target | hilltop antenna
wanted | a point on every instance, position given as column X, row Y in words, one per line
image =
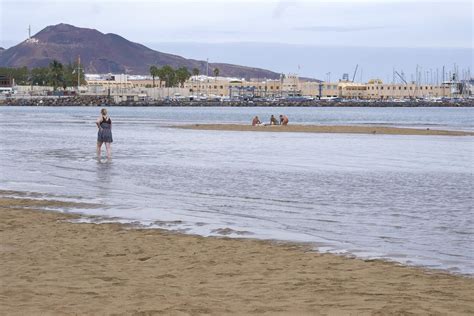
column 29, row 31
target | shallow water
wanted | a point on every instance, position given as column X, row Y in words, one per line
column 402, row 198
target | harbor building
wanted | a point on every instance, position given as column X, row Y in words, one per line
column 376, row 89
column 6, row 84
column 237, row 88
column 232, row 87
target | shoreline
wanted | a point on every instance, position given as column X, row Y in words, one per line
column 104, row 100
column 331, row 129
column 50, row 265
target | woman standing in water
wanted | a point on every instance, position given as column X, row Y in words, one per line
column 104, row 123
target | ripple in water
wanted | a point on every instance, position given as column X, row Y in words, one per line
column 402, row 198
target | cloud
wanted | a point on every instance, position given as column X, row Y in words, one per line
column 281, row 7
column 338, row 29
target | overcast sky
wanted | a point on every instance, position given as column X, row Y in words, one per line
column 403, row 23
column 370, row 23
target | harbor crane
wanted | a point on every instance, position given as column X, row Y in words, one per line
column 401, row 77
column 355, row 72
column 406, row 83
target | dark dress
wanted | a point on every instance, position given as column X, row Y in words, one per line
column 105, row 131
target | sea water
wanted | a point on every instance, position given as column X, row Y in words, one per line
column 398, row 197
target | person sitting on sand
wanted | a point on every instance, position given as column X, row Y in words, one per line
column 283, row 120
column 256, row 121
column 273, row 120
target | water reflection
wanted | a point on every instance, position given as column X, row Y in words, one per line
column 104, row 169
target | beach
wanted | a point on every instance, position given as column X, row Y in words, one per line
column 51, row 266
column 326, row 129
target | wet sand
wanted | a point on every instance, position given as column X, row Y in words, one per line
column 326, row 129
column 50, row 266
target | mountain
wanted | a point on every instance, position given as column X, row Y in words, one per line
column 107, row 53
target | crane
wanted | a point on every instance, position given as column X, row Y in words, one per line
column 401, row 77
column 355, row 71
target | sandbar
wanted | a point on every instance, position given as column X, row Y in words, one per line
column 50, row 266
column 346, row 129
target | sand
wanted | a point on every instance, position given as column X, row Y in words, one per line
column 50, row 266
column 326, row 129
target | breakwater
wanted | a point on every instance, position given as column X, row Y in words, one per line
column 59, row 101
column 106, row 101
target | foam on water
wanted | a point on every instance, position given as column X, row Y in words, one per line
column 403, row 198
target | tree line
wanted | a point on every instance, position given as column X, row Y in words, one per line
column 170, row 76
column 56, row 75
column 174, row 77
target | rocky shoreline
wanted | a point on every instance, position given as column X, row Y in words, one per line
column 59, row 101
column 106, row 101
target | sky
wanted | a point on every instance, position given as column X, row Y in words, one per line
column 254, row 32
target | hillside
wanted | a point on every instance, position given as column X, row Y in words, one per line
column 107, row 53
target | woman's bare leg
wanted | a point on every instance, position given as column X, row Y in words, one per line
column 99, row 148
column 108, row 147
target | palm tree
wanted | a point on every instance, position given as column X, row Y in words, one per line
column 160, row 75
column 216, row 72
column 168, row 74
column 195, row 74
column 153, row 73
column 182, row 74
column 56, row 71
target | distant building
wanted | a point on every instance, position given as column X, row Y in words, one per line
column 386, row 91
column 288, row 86
column 6, row 84
column 6, row 81
column 232, row 87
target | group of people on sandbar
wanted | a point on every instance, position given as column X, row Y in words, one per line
column 273, row 121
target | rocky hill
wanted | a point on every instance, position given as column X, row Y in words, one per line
column 107, row 53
